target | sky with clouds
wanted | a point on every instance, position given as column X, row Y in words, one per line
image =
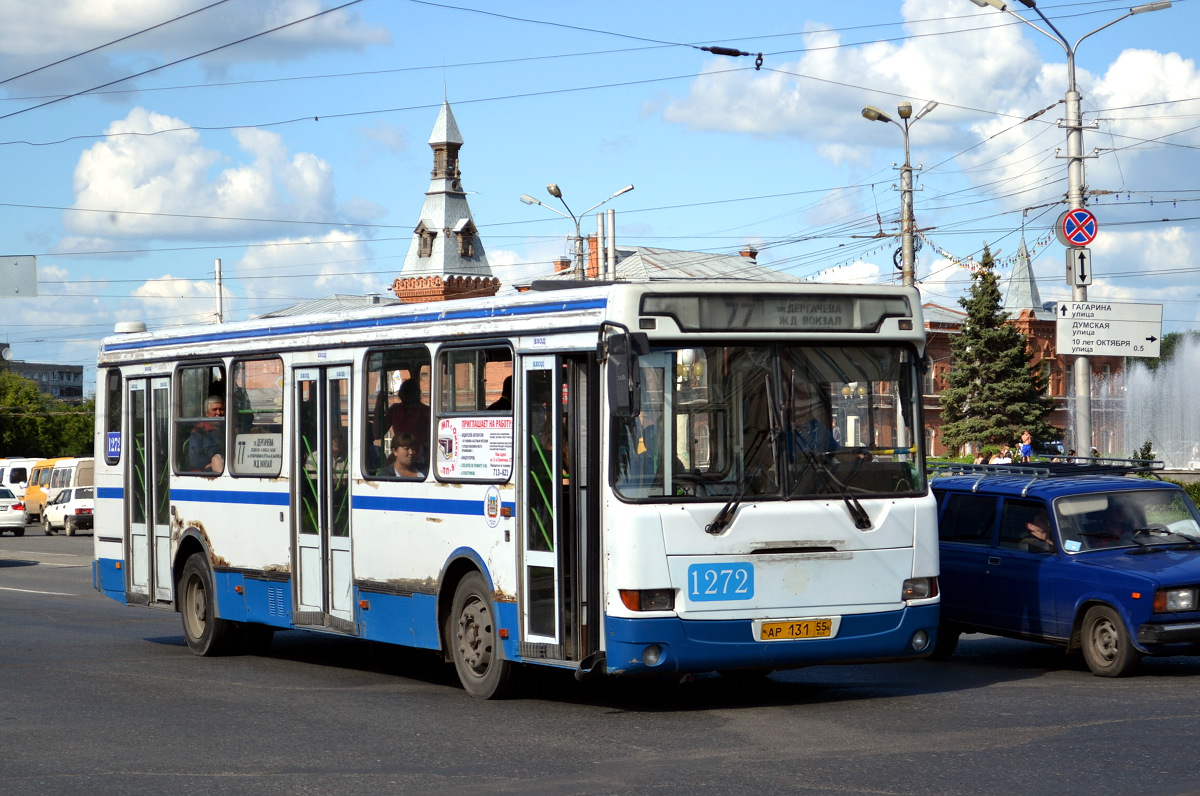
column 142, row 140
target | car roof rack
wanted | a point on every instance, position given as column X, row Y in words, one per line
column 1082, row 468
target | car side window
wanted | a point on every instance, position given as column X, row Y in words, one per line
column 967, row 518
column 1025, row 525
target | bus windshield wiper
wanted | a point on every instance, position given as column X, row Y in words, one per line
column 862, row 520
column 725, row 516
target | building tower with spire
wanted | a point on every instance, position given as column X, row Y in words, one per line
column 445, row 257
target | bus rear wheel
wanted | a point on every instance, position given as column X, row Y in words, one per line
column 474, row 642
column 206, row 634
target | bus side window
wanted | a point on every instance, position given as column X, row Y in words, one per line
column 474, row 414
column 397, row 400
column 257, row 417
column 475, row 380
column 200, row 420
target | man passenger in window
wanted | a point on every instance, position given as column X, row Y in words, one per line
column 206, row 443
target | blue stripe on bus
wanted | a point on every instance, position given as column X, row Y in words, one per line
column 366, row 323
column 229, row 496
column 364, row 502
column 422, row 505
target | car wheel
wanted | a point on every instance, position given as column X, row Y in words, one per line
column 68, row 527
column 18, row 532
column 1107, row 647
column 46, row 525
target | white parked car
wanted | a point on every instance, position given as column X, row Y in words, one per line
column 12, row 512
column 70, row 510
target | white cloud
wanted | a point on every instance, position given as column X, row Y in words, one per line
column 291, row 270
column 856, row 273
column 40, row 33
column 818, row 97
column 167, row 190
column 171, row 301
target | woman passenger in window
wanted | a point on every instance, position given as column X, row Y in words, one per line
column 403, row 461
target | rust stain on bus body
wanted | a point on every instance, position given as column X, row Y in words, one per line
column 179, row 526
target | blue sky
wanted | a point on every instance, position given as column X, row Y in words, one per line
column 299, row 157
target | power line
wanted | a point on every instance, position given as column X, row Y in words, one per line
column 182, row 60
column 99, row 47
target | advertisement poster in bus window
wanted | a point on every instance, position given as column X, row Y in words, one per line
column 479, row 448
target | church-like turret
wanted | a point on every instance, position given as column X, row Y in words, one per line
column 445, row 258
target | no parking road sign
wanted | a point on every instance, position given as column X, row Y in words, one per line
column 1076, row 227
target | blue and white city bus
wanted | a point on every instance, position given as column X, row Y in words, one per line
column 631, row 479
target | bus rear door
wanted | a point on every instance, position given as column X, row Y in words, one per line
column 147, row 483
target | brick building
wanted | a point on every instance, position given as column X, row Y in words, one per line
column 1036, row 320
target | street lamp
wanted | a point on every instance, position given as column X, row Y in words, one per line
column 1074, row 126
column 556, row 192
column 904, row 111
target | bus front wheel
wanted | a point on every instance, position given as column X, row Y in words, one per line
column 206, row 634
column 474, row 642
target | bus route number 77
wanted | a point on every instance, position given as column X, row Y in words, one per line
column 713, row 582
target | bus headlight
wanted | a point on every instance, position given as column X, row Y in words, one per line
column 1174, row 600
column 648, row 599
column 919, row 589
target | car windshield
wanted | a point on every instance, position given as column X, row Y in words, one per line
column 758, row 421
column 85, row 493
column 1139, row 518
column 6, row 494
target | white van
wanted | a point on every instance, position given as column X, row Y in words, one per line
column 70, row 473
column 14, row 474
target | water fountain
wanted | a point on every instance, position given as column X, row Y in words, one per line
column 1160, row 406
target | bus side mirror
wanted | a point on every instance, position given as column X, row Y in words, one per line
column 624, row 375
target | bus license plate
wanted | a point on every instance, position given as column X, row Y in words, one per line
column 799, row 628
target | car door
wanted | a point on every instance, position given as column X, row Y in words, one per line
column 1020, row 577
column 966, row 530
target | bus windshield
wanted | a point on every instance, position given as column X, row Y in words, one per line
column 771, row 421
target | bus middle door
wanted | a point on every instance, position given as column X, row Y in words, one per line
column 321, row 499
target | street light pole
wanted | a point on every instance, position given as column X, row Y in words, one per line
column 907, row 247
column 556, row 192
column 1075, row 182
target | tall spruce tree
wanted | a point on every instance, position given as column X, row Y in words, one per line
column 994, row 390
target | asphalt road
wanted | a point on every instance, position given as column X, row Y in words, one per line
column 99, row 698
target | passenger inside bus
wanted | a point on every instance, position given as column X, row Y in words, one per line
column 504, row 402
column 411, row 415
column 403, row 461
column 206, row 443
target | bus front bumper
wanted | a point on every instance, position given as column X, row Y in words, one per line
column 676, row 646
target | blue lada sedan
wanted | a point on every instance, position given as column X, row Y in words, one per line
column 1085, row 557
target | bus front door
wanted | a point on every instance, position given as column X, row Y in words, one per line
column 321, row 499
column 560, row 535
column 147, row 483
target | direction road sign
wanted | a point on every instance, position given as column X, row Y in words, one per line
column 1076, row 227
column 1079, row 267
column 1100, row 328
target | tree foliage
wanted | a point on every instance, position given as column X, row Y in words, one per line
column 36, row 425
column 994, row 389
